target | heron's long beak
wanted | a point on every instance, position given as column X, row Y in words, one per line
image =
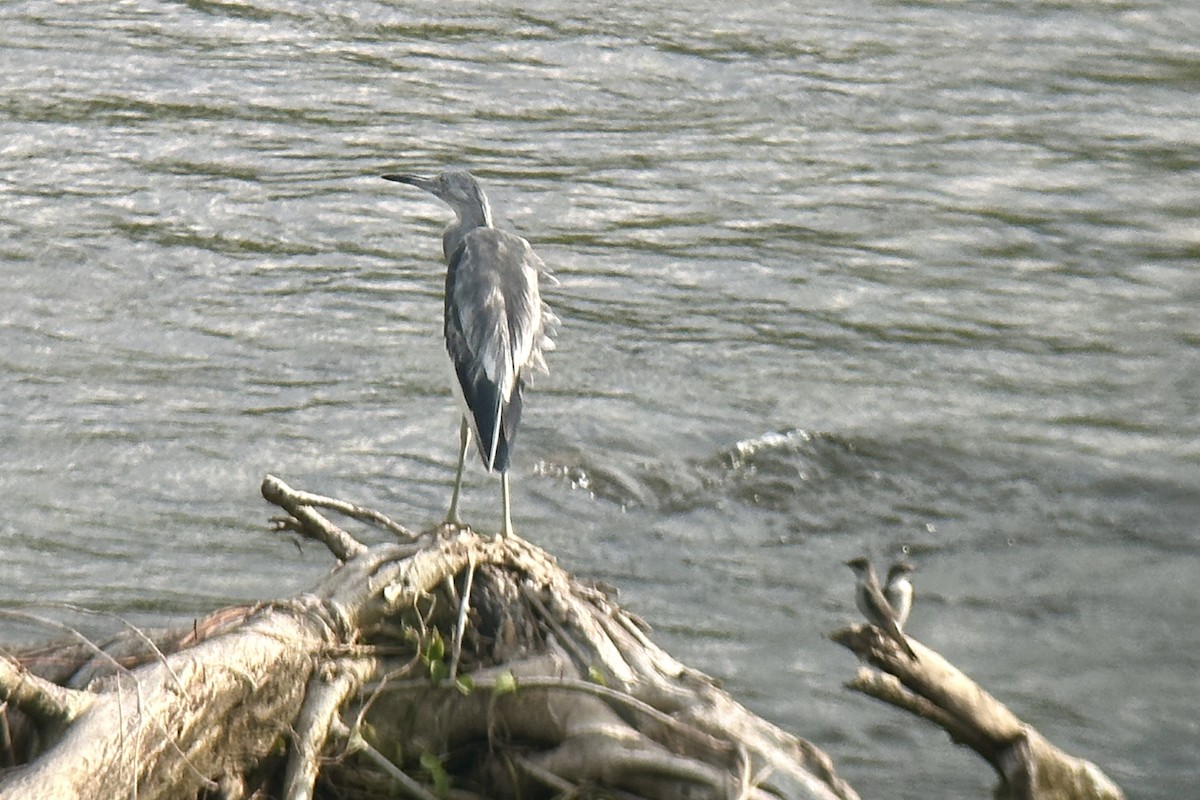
column 412, row 180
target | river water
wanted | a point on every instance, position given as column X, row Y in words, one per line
column 836, row 278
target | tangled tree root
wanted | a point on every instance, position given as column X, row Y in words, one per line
column 444, row 665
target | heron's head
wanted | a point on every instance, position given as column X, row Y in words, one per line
column 901, row 569
column 456, row 188
column 860, row 565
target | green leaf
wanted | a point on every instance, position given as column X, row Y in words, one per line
column 506, row 683
column 441, row 780
column 437, row 647
column 596, row 676
column 438, row 671
column 464, row 684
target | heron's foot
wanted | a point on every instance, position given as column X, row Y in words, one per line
column 509, row 536
column 452, row 524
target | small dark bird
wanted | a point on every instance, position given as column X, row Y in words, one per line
column 874, row 606
column 497, row 328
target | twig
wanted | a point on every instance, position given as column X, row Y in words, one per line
column 119, row 672
column 322, row 699
column 356, row 743
column 6, row 740
column 556, row 782
column 567, row 642
column 463, row 608
column 623, row 758
column 343, row 546
column 42, row 700
column 360, row 513
column 96, row 649
column 705, row 740
column 287, row 523
column 134, row 629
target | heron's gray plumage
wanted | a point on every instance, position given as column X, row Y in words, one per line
column 496, row 332
column 497, row 327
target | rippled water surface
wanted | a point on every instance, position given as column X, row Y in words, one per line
column 867, row 277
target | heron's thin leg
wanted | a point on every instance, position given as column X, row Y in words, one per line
column 464, row 440
column 506, row 502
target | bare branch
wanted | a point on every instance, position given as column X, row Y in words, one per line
column 343, row 546
column 327, row 692
column 464, row 606
column 932, row 688
column 46, row 702
column 358, row 744
column 360, row 513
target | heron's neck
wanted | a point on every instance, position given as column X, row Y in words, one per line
column 468, row 220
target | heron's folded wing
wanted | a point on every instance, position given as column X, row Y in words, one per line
column 492, row 309
column 495, row 295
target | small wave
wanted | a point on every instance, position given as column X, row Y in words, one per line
column 768, row 470
column 742, row 453
column 776, row 469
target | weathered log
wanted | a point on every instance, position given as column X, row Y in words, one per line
column 1029, row 767
column 446, row 665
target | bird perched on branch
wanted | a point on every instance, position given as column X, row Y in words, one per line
column 497, row 328
column 874, row 606
column 898, row 591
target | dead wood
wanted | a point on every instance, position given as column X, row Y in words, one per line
column 1029, row 767
column 443, row 665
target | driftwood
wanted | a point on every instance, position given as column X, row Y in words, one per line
column 441, row 665
column 447, row 665
column 1029, row 767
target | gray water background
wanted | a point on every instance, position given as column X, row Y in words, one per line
column 837, row 278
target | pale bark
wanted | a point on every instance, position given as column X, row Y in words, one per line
column 445, row 665
column 1029, row 767
column 448, row 665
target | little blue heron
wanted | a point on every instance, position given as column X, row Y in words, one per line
column 497, row 328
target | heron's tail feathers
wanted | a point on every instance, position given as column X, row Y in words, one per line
column 497, row 433
column 495, row 420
